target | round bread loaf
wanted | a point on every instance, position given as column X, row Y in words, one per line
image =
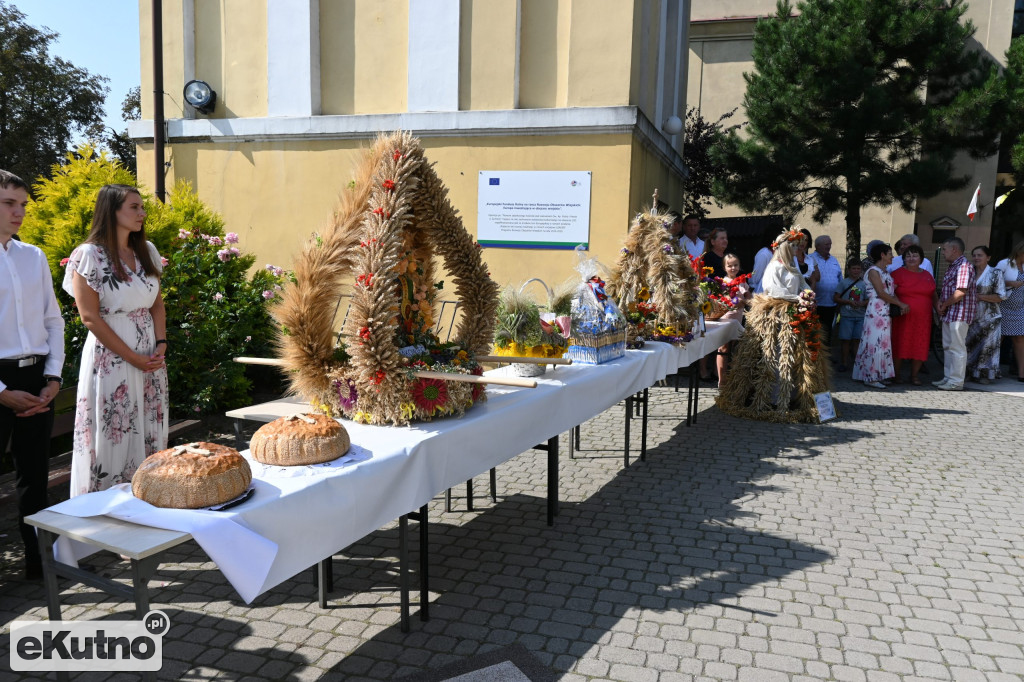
column 192, row 476
column 298, row 440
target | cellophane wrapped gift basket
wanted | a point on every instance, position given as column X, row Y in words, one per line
column 524, row 329
column 389, row 367
column 598, row 326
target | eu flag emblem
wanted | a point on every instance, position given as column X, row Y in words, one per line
column 495, row 181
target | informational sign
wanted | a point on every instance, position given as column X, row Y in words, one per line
column 826, row 408
column 533, row 209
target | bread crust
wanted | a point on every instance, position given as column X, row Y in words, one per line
column 294, row 441
column 184, row 477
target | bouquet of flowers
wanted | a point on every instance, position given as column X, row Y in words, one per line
column 642, row 316
column 805, row 323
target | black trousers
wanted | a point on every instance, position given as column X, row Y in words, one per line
column 827, row 316
column 30, row 447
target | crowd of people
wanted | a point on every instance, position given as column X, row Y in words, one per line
column 882, row 309
column 122, row 403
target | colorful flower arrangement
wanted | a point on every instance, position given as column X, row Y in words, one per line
column 522, row 329
column 642, row 316
column 805, row 323
column 716, row 296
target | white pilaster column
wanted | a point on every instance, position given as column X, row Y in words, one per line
column 433, row 55
column 293, row 57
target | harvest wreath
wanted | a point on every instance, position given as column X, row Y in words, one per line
column 384, row 235
column 654, row 282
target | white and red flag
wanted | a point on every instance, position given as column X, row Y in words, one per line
column 972, row 210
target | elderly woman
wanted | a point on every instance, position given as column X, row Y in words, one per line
column 1013, row 307
column 779, row 364
column 912, row 333
column 984, row 336
column 873, row 364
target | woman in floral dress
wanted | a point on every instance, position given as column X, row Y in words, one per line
column 121, row 413
column 874, row 356
column 984, row 336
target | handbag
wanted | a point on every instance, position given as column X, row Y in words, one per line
column 895, row 310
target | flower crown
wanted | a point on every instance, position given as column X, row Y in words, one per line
column 790, row 236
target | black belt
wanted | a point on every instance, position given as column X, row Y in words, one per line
column 23, row 362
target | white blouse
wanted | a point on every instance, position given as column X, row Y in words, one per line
column 779, row 282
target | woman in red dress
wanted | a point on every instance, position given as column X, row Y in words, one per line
column 912, row 331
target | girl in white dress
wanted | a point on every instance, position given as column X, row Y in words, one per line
column 121, row 412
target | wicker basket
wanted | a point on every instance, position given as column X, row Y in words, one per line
column 718, row 309
column 528, row 369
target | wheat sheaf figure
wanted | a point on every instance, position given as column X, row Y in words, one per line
column 384, row 235
column 652, row 268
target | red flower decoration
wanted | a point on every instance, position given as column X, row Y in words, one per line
column 389, row 185
column 397, row 155
column 64, row 261
column 365, row 280
column 429, row 394
column 364, row 333
column 378, row 376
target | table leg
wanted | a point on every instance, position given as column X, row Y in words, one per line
column 643, row 428
column 494, row 485
column 552, row 480
column 576, row 435
column 46, row 540
column 696, row 394
column 448, row 501
column 629, row 412
column 469, row 495
column 425, row 564
column 403, row 568
column 323, row 580
column 142, row 571
column 238, row 435
column 690, row 381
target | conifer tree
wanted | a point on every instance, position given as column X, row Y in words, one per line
column 859, row 102
column 1013, row 129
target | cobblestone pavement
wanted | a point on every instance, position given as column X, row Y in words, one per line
column 887, row 545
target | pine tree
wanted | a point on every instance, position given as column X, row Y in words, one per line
column 859, row 102
column 1013, row 130
column 701, row 137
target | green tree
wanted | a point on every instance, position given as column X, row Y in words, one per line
column 701, row 137
column 44, row 100
column 119, row 143
column 1013, row 129
column 859, row 102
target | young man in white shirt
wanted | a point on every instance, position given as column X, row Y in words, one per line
column 830, row 274
column 31, row 358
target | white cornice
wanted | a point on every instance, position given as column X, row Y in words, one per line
column 495, row 123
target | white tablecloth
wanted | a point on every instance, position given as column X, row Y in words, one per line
column 301, row 515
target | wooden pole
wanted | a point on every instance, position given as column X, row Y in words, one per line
column 525, row 361
column 422, row 374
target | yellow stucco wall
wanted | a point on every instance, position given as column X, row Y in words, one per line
column 487, row 54
column 544, row 53
column 600, row 44
column 231, row 55
column 364, row 65
column 648, row 173
column 275, row 194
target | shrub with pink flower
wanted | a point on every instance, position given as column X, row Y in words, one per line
column 216, row 311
